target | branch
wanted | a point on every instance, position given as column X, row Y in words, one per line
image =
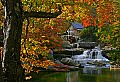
column 42, row 14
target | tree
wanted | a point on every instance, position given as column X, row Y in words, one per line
column 16, row 11
column 105, row 16
column 89, row 34
column 41, row 38
column 14, row 16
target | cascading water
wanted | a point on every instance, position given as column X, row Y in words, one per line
column 90, row 56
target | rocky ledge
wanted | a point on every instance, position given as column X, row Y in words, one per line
column 60, row 67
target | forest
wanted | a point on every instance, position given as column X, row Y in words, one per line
column 32, row 28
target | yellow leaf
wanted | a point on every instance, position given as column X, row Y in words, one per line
column 24, row 51
column 43, row 36
column 109, row 37
column 28, row 77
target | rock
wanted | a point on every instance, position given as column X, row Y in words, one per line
column 68, row 61
column 58, row 62
column 72, row 68
column 112, row 63
column 97, row 63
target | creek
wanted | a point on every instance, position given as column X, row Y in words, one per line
column 82, row 75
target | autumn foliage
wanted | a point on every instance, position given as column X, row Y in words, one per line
column 40, row 35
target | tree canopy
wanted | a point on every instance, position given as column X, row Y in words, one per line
column 44, row 21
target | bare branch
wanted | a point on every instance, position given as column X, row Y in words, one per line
column 42, row 14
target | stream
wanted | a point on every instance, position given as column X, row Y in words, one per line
column 88, row 74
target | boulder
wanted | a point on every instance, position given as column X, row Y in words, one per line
column 68, row 61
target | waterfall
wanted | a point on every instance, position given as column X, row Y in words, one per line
column 90, row 56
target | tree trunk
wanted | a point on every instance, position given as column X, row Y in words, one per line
column 13, row 71
column 1, row 74
column 12, row 41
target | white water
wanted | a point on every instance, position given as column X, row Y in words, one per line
column 90, row 56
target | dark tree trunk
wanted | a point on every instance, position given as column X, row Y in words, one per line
column 1, row 73
column 13, row 71
column 12, row 41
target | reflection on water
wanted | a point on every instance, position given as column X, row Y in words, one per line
column 92, row 70
column 83, row 75
column 72, row 76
